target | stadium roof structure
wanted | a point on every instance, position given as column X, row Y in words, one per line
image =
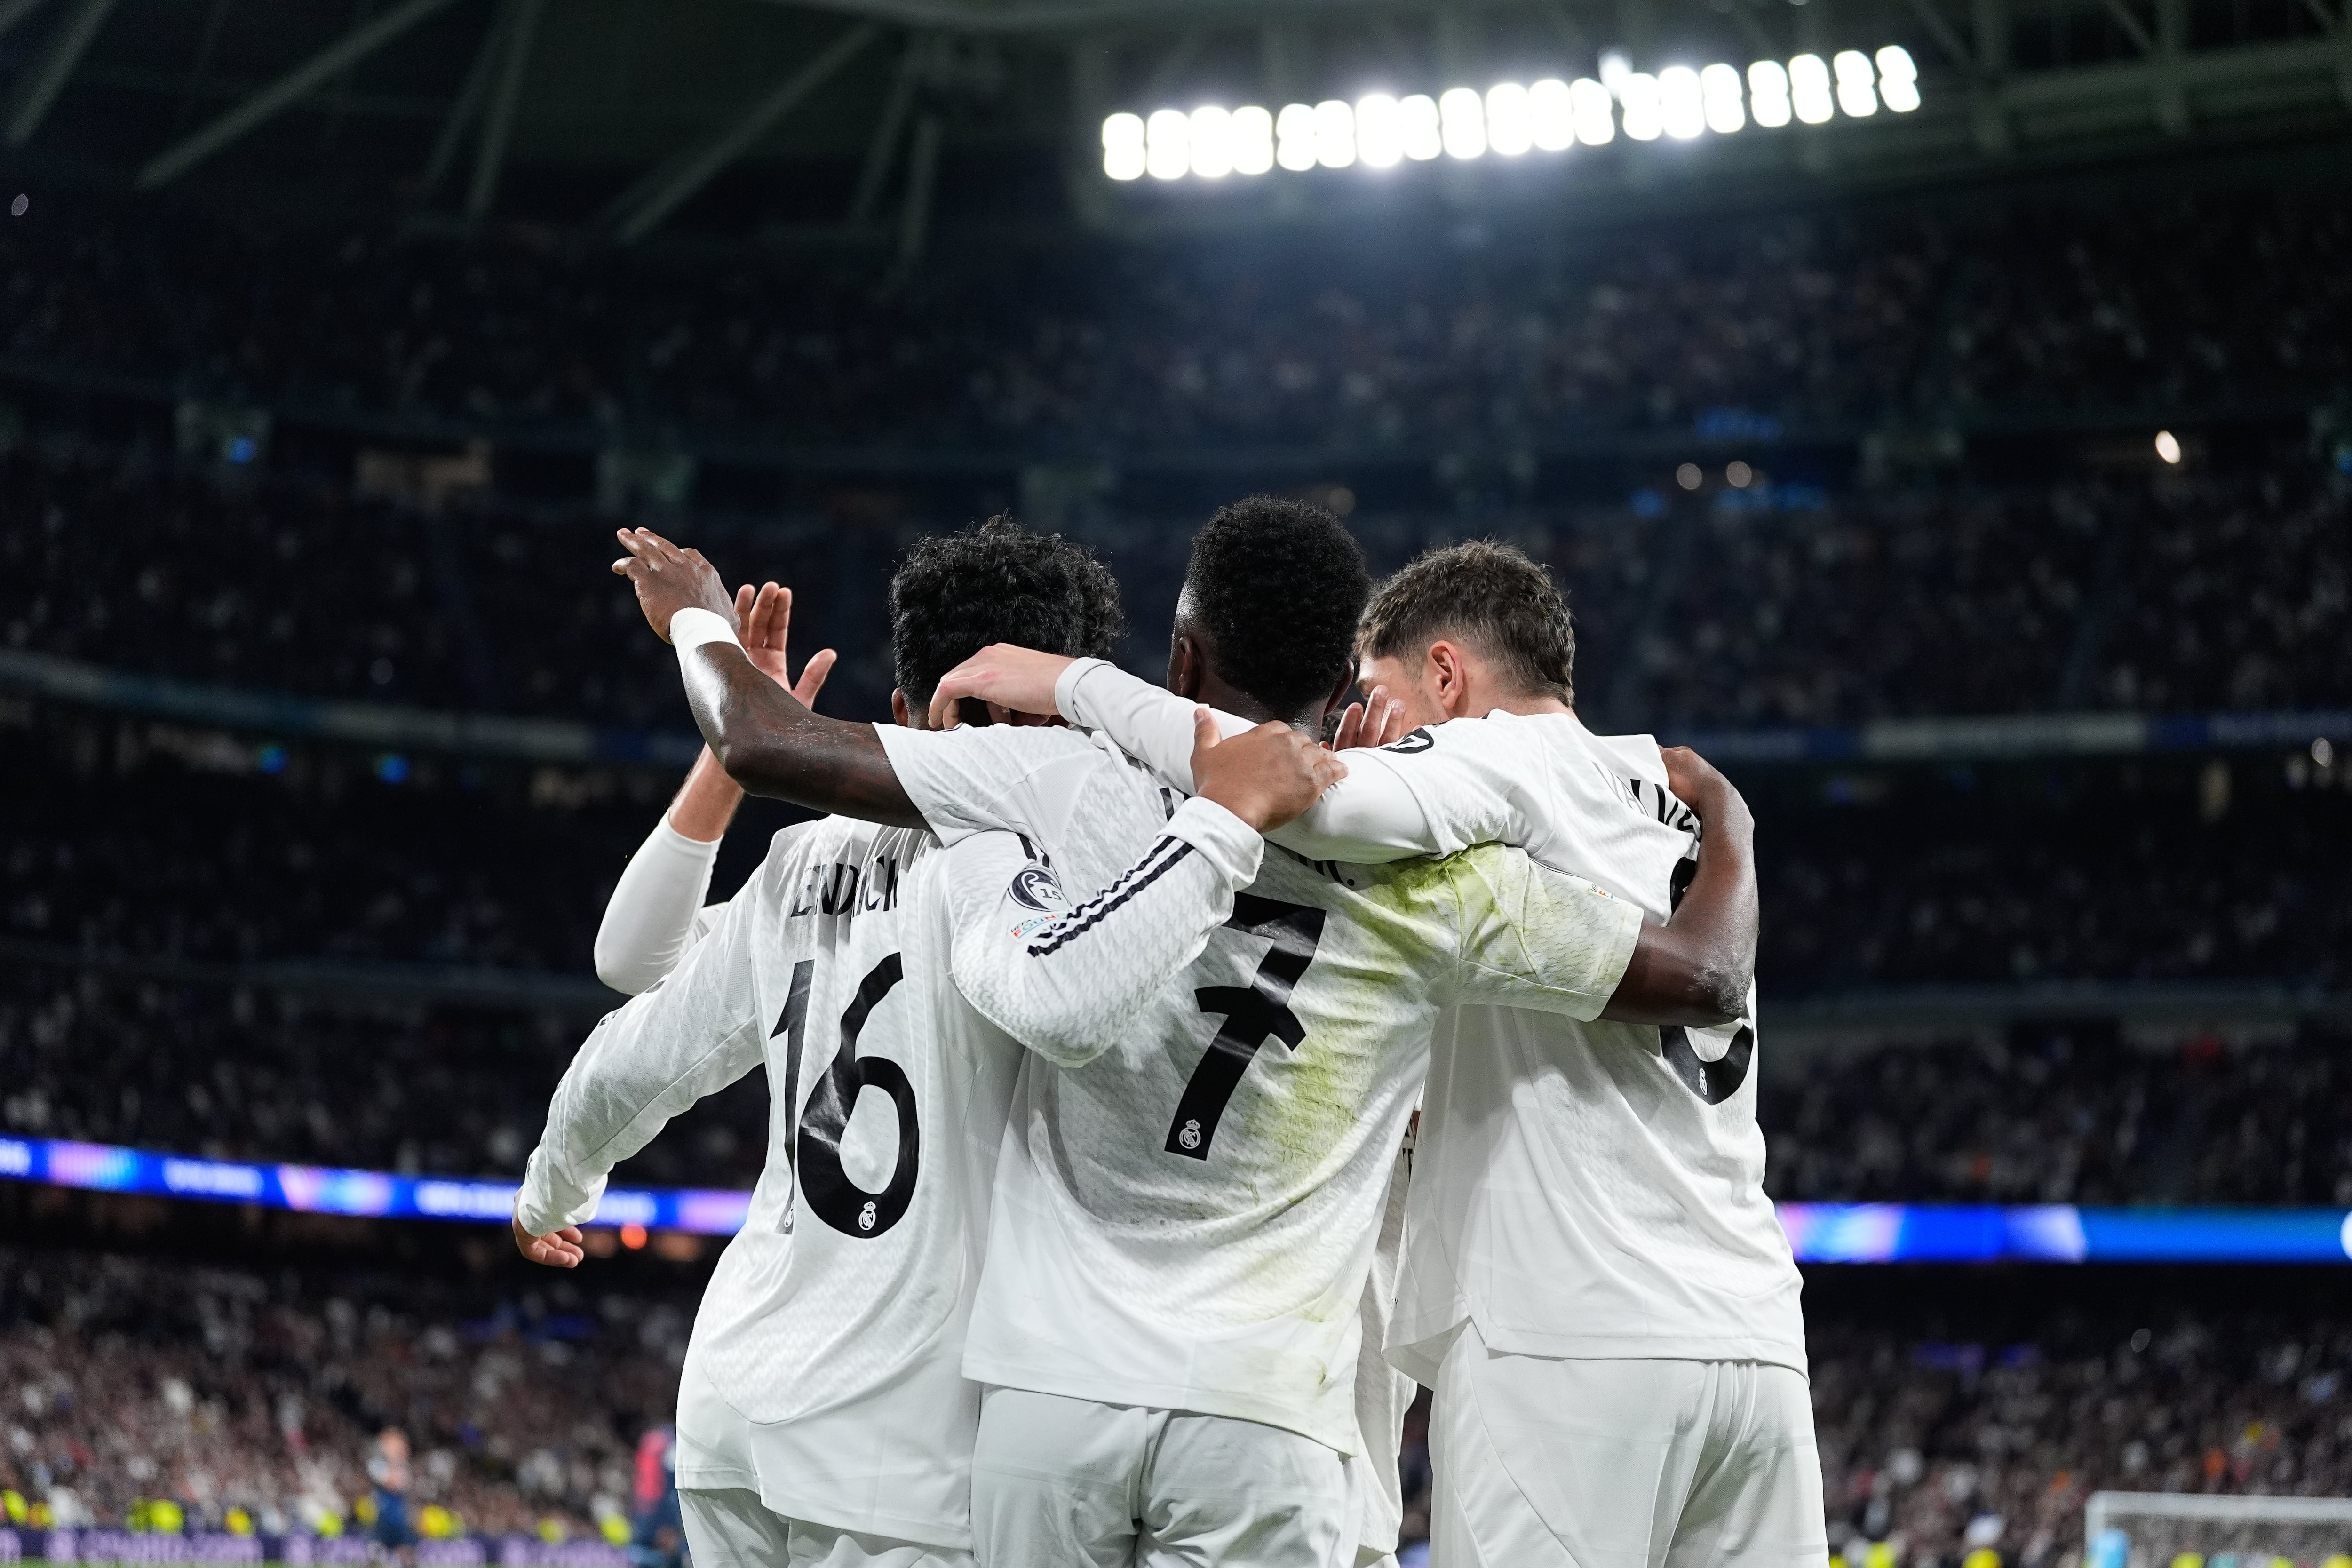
column 870, row 119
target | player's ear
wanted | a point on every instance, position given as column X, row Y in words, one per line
column 1186, row 666
column 1446, row 673
column 901, row 714
column 1337, row 699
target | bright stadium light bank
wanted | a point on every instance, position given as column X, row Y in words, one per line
column 1380, row 131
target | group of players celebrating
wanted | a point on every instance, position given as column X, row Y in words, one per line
column 1160, row 1090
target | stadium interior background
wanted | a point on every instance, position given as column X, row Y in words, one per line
column 1973, row 481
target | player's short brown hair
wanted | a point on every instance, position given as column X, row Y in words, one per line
column 1485, row 594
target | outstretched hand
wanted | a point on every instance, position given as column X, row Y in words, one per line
column 763, row 618
column 1377, row 720
column 668, row 579
column 1267, row 777
column 556, row 1250
column 1002, row 673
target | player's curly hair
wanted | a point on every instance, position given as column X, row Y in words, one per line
column 997, row 581
column 1487, row 593
column 1278, row 584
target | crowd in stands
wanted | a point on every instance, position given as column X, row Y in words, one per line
column 1856, row 315
column 1942, row 1449
column 253, row 1073
column 322, row 861
column 233, row 1390
column 2169, row 594
column 2204, row 870
column 223, row 1390
column 2066, row 1115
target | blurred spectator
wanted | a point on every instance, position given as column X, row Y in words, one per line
column 248, row 1074
column 2065, row 1116
column 1742, row 607
column 221, row 1389
column 1898, row 308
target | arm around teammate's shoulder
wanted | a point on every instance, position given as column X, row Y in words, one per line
column 1068, row 978
column 1697, row 968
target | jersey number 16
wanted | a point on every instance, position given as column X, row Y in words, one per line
column 816, row 1145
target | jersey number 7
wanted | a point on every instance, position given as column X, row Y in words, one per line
column 1254, row 1014
column 838, row 1201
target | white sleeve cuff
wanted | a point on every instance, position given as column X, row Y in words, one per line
column 703, row 850
column 1224, row 840
column 1065, row 688
column 694, row 626
column 540, row 1210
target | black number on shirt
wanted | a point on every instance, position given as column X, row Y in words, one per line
column 836, row 1200
column 794, row 1021
column 1254, row 1014
column 1714, row 1082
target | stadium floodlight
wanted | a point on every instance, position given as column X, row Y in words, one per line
column 1294, row 137
column 1380, row 131
column 1424, row 139
column 1212, row 137
column 1462, row 119
column 1855, row 92
column 1898, row 78
column 1167, row 144
column 1596, row 116
column 1718, row 87
column 1552, row 110
column 1510, row 119
column 1809, row 89
column 1335, row 133
column 1682, row 109
column 1253, row 134
column 1768, row 93
column 1644, row 115
column 1122, row 139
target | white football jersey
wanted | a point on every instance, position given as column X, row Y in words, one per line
column 1187, row 1208
column 1579, row 1188
column 826, row 1367
column 833, row 1323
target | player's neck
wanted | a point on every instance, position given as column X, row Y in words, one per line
column 1216, row 692
column 1521, row 703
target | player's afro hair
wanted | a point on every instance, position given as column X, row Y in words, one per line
column 1278, row 584
column 1489, row 594
column 997, row 581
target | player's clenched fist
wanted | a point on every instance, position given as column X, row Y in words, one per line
column 1267, row 777
column 668, row 579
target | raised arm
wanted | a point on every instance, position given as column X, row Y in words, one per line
column 768, row 741
column 656, row 908
column 1065, row 976
column 1695, row 970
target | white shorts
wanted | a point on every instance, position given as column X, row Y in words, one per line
column 1068, row 1483
column 734, row 1530
column 1544, row 1463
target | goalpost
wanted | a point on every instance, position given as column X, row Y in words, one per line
column 2180, row 1529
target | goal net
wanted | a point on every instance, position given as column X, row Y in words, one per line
column 2173, row 1530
